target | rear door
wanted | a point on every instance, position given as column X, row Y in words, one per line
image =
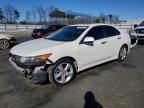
column 113, row 38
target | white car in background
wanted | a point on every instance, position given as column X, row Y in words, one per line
column 68, row 51
column 6, row 41
column 138, row 33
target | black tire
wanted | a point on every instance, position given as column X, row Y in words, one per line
column 52, row 69
column 123, row 53
column 4, row 44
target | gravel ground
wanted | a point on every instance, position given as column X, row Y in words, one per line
column 111, row 85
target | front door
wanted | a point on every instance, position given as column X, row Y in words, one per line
column 93, row 53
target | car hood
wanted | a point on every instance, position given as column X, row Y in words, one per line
column 34, row 47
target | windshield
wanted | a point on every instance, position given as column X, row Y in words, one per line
column 141, row 31
column 68, row 33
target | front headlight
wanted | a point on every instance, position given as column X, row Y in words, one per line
column 35, row 59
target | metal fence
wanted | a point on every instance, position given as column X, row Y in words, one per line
column 125, row 26
column 18, row 27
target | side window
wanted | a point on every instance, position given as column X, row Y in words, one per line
column 111, row 31
column 96, row 32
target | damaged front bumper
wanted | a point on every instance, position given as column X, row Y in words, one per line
column 137, row 36
column 37, row 74
column 12, row 40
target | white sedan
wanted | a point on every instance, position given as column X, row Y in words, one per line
column 6, row 41
column 68, row 51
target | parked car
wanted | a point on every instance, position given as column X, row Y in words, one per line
column 6, row 41
column 68, row 51
column 137, row 32
column 45, row 30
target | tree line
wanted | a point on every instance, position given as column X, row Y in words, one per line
column 9, row 14
column 40, row 15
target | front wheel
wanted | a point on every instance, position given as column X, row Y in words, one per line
column 123, row 53
column 4, row 44
column 62, row 72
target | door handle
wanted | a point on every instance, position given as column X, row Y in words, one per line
column 119, row 38
column 104, row 42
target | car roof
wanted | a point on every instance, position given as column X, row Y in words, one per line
column 56, row 25
column 95, row 24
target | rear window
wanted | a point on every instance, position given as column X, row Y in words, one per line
column 111, row 31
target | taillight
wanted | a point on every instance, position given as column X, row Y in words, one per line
column 39, row 33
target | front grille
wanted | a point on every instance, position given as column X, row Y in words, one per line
column 141, row 37
column 14, row 58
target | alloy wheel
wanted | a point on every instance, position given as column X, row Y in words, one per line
column 123, row 53
column 63, row 73
column 4, row 44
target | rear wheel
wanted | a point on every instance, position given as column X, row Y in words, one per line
column 123, row 53
column 62, row 73
column 4, row 44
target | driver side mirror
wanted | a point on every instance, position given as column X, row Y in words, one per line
column 89, row 40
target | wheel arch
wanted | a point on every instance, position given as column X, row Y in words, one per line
column 71, row 58
column 4, row 39
column 123, row 45
column 126, row 45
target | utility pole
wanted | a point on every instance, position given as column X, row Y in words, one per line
column 66, row 18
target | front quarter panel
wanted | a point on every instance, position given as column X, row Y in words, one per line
column 68, row 49
column 65, row 50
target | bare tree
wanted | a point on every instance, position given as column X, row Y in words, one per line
column 1, row 16
column 34, row 14
column 97, row 20
column 103, row 18
column 116, row 19
column 9, row 13
column 16, row 15
column 41, row 12
column 28, row 16
column 44, row 15
column 110, row 18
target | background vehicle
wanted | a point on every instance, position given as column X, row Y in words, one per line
column 6, row 41
column 68, row 51
column 137, row 32
column 45, row 30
